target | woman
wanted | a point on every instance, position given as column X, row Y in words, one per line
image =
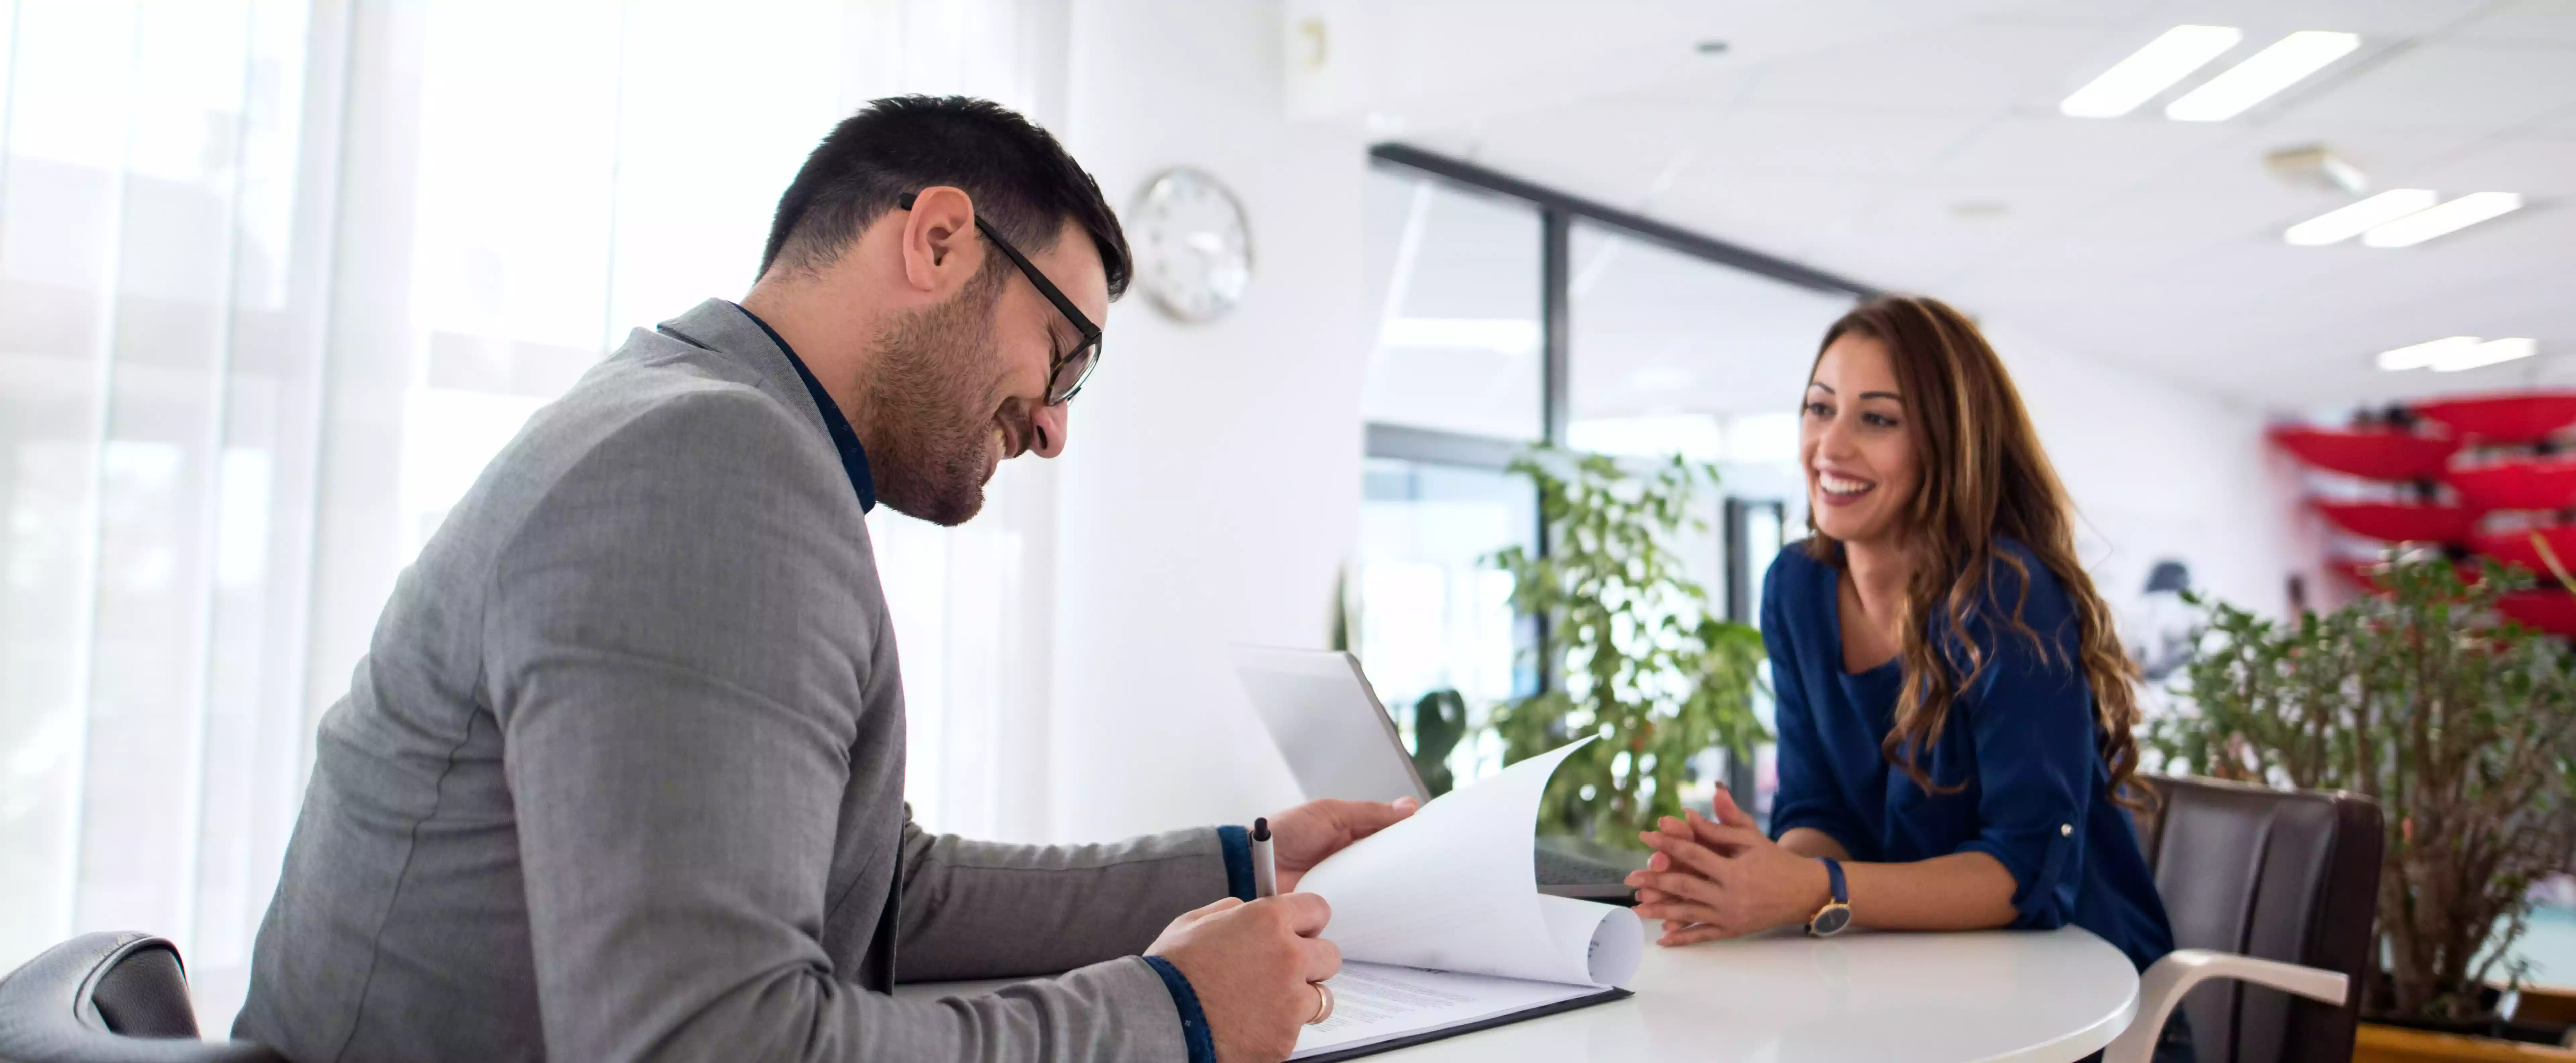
column 1955, row 710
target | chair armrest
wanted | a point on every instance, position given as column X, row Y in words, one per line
column 2161, row 989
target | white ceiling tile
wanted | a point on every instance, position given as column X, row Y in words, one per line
column 2451, row 87
column 1976, row 66
column 2266, row 20
column 2074, row 151
column 1757, row 141
column 2526, row 23
column 2536, row 166
column 1614, row 154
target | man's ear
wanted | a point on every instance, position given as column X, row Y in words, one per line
column 940, row 250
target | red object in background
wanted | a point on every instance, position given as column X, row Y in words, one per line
column 2398, row 522
column 2370, row 455
column 2510, row 418
column 2548, row 483
column 2514, row 548
column 2553, row 611
column 2365, row 574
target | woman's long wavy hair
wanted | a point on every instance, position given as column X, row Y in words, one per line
column 1983, row 477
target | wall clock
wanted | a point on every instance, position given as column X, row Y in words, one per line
column 1193, row 245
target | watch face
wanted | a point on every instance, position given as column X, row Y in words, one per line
column 1832, row 920
column 1193, row 245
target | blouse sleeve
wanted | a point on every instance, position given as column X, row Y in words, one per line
column 1808, row 796
column 2030, row 717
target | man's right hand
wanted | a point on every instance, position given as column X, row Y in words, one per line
column 1250, row 965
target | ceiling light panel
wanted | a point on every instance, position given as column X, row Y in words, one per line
column 2261, row 75
column 2150, row 70
column 2351, row 221
column 2453, row 216
column 2491, row 352
column 2424, row 355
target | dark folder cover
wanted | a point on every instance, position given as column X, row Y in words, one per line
column 1489, row 1022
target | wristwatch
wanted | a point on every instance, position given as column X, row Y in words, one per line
column 1836, row 914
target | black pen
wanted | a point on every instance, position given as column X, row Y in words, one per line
column 1265, row 874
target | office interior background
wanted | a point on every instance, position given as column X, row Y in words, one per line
column 281, row 275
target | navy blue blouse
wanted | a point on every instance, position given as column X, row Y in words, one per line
column 2021, row 739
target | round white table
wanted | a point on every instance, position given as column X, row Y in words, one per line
column 1991, row 997
column 1997, row 996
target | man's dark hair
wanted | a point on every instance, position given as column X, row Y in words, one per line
column 1021, row 180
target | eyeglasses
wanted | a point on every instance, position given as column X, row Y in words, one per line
column 1072, row 368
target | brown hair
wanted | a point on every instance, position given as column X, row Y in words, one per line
column 1983, row 478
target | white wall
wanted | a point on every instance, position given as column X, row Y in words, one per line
column 2158, row 470
column 1211, row 488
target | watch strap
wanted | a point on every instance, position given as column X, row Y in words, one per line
column 1834, row 879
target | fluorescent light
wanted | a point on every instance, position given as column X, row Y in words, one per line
column 2150, row 70
column 2430, row 222
column 1504, row 335
column 2262, row 74
column 2351, row 221
column 2423, row 355
column 2486, row 354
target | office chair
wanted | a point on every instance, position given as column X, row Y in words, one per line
column 108, row 998
column 2271, row 893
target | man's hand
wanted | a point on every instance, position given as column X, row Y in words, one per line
column 1250, row 965
column 1302, row 837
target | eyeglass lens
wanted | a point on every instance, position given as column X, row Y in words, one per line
column 1071, row 373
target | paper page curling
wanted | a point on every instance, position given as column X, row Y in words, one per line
column 1452, row 889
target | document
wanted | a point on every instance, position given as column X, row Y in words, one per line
column 1441, row 924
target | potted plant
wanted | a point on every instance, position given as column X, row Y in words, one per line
column 2461, row 725
column 1629, row 644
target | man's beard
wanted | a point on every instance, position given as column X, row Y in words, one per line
column 931, row 433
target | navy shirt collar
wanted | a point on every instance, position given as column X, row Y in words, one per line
column 854, row 458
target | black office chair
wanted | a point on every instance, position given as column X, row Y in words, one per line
column 108, row 998
column 2271, row 893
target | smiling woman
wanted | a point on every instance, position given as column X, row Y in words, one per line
column 1955, row 711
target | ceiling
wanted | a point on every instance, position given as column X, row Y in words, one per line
column 1928, row 155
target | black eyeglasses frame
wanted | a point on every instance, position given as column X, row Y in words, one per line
column 1087, row 353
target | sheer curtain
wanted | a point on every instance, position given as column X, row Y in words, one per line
column 277, row 277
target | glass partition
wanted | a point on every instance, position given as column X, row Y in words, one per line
column 1431, row 613
column 1455, row 280
column 1676, row 353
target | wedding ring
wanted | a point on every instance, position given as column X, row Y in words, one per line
column 1323, row 1003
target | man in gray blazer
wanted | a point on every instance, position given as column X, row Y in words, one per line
column 621, row 775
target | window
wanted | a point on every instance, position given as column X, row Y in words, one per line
column 1512, row 314
column 1455, row 276
column 1664, row 338
column 1433, row 615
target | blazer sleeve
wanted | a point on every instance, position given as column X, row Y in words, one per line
column 668, row 647
column 2030, row 717
column 968, row 906
column 1809, row 795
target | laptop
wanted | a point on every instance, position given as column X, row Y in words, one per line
column 1340, row 742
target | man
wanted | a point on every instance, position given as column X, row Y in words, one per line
column 621, row 775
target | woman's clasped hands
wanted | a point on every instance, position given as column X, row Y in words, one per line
column 1722, row 878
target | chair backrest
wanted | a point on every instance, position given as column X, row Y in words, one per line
column 108, row 998
column 2289, row 875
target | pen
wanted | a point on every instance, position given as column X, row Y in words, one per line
column 1265, row 875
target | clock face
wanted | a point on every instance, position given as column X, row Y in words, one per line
column 1193, row 248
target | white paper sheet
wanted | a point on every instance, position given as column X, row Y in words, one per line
column 1452, row 889
column 1375, row 1002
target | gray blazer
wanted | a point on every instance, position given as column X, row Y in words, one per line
column 621, row 777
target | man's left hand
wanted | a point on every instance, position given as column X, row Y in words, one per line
column 1302, row 837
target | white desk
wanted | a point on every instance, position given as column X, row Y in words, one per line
column 1995, row 997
